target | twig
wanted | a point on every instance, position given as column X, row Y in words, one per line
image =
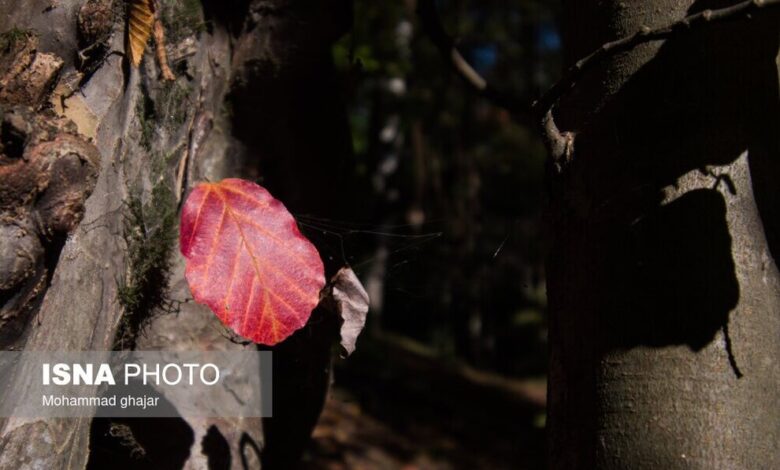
column 432, row 25
column 644, row 35
column 560, row 144
column 162, row 57
column 199, row 129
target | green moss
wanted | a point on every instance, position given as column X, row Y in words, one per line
column 146, row 118
column 182, row 18
column 10, row 38
column 170, row 105
column 161, row 164
column 168, row 110
column 150, row 234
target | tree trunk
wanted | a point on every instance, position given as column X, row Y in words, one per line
column 254, row 96
column 663, row 287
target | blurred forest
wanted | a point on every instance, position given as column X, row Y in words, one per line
column 447, row 236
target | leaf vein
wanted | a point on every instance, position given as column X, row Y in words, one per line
column 197, row 217
column 212, row 248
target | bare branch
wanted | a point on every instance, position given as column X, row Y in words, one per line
column 433, row 27
column 577, row 71
column 560, row 144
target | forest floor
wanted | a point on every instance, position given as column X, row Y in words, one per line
column 395, row 406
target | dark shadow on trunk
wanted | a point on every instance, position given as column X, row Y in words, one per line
column 668, row 264
column 217, row 449
column 643, row 249
column 672, row 275
column 302, row 375
column 140, row 443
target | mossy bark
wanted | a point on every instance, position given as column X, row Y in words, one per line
column 151, row 135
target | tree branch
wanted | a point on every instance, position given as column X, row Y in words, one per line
column 560, row 144
column 433, row 27
column 739, row 11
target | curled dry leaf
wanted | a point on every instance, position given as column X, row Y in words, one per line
column 143, row 21
column 140, row 20
column 247, row 260
column 350, row 300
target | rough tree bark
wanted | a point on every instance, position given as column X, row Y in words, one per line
column 663, row 286
column 254, row 97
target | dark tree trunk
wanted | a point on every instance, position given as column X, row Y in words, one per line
column 255, row 97
column 664, row 292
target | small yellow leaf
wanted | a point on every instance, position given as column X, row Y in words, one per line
column 139, row 28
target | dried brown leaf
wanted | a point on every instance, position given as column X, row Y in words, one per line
column 162, row 56
column 140, row 22
column 351, row 303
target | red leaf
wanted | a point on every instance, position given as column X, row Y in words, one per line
column 247, row 260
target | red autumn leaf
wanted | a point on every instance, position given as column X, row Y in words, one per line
column 247, row 260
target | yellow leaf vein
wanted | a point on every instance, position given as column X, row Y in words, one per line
column 255, row 264
column 197, row 217
column 212, row 248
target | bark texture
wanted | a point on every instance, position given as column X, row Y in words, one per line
column 254, row 97
column 663, row 286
